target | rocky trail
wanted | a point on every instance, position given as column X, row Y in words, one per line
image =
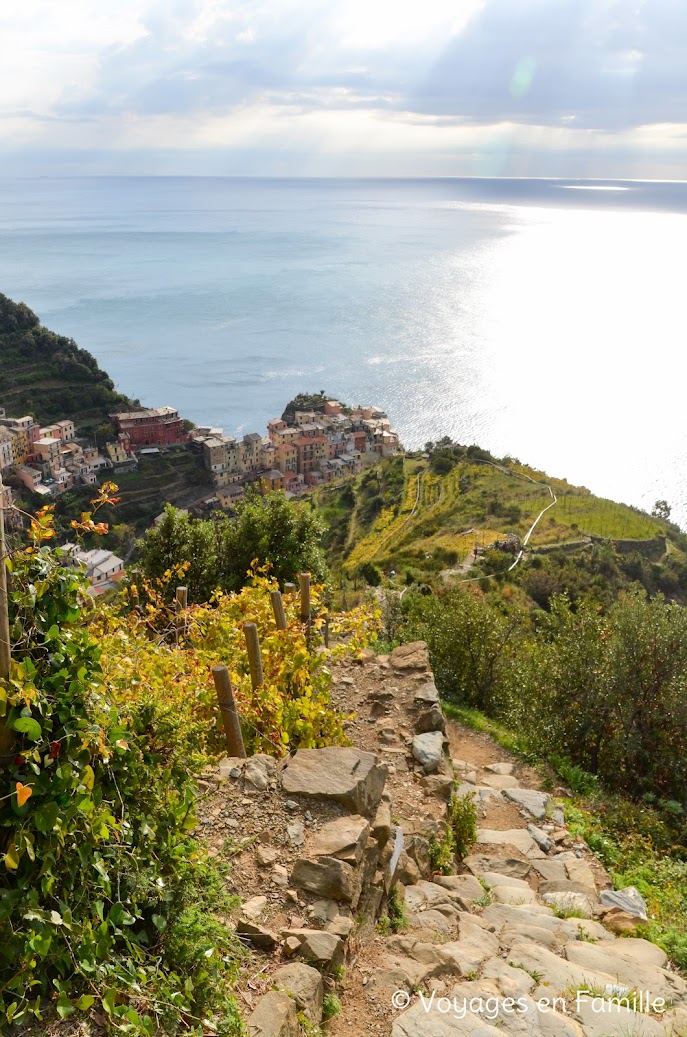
column 526, row 937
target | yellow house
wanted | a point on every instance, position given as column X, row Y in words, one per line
column 271, row 481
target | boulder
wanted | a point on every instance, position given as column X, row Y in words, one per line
column 317, row 946
column 304, row 984
column 344, row 838
column 439, row 785
column 351, row 777
column 427, row 695
column 412, row 656
column 381, row 826
column 620, row 921
column 326, row 877
column 628, row 899
column 275, row 1016
column 258, row 772
column 431, row 720
column 541, row 838
column 535, row 803
column 510, row 981
column 253, row 908
column 428, row 749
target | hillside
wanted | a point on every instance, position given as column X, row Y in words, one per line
column 430, row 521
column 48, row 375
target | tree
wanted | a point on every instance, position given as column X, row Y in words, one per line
column 221, row 551
column 471, row 645
column 661, row 509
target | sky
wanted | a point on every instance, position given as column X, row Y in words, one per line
column 588, row 88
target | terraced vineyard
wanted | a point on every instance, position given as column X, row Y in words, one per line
column 439, row 520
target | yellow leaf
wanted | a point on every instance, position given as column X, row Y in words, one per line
column 24, row 792
column 88, row 777
column 12, row 858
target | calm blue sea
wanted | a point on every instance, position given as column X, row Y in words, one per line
column 536, row 317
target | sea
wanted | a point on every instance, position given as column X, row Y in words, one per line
column 543, row 319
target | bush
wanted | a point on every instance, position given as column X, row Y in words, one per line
column 97, row 904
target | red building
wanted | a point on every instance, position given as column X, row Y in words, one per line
column 160, row 426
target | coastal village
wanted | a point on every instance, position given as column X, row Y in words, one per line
column 319, row 446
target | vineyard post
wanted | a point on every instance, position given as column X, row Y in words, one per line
column 278, row 609
column 289, row 588
column 326, row 630
column 227, row 707
column 254, row 658
column 6, row 738
column 304, row 580
column 181, row 604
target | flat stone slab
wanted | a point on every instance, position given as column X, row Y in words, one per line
column 628, row 968
column 495, row 878
column 351, row 777
column 557, row 973
column 344, row 838
column 518, row 869
column 570, row 903
column 535, row 803
column 516, row 895
column 499, row 768
column 615, row 1021
column 465, row 886
column 500, row 781
column 516, row 837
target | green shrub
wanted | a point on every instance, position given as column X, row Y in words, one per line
column 462, row 819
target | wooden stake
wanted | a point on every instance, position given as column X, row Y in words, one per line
column 6, row 736
column 325, row 630
column 254, row 658
column 182, row 603
column 278, row 609
column 227, row 706
column 304, row 580
column 289, row 588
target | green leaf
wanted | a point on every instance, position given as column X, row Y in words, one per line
column 46, row 817
column 64, row 1006
column 85, row 1002
column 108, row 1001
column 29, row 727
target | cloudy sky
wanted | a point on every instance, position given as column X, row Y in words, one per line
column 345, row 87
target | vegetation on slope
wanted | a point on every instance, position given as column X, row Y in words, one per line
column 48, row 375
column 107, row 903
column 423, row 518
